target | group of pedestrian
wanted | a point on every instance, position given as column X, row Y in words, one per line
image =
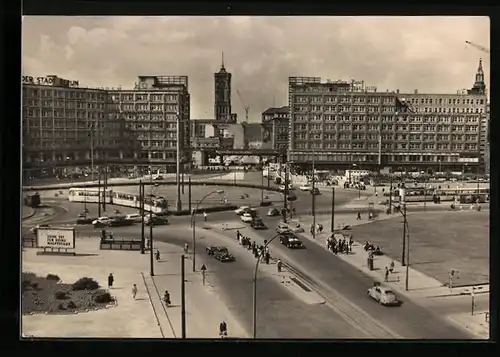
column 318, row 228
column 342, row 245
column 111, row 281
column 259, row 251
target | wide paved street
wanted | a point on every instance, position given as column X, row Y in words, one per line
column 280, row 313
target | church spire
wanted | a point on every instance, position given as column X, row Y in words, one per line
column 480, row 72
column 222, row 65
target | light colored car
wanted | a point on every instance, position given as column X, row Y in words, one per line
column 133, row 217
column 306, row 187
column 241, row 210
column 383, row 295
column 246, row 217
column 101, row 220
column 273, row 212
column 283, row 227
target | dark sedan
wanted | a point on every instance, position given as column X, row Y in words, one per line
column 291, row 241
column 224, row 257
column 157, row 221
column 257, row 224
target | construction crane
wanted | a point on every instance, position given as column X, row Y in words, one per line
column 479, row 47
column 246, row 107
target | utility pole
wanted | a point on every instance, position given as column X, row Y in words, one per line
column 332, row 225
column 178, row 163
column 99, row 194
column 151, row 258
column 92, row 151
column 285, row 195
column 262, row 187
column 313, row 205
column 189, row 193
column 141, row 205
column 183, row 297
column 403, row 254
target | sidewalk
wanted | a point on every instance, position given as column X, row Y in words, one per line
column 421, row 286
column 143, row 317
column 478, row 324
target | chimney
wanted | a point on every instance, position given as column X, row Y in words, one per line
column 397, row 91
column 416, row 91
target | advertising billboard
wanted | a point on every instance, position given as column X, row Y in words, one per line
column 56, row 238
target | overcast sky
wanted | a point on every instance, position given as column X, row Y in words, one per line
column 428, row 53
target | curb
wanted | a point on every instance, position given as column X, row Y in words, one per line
column 29, row 215
column 457, row 294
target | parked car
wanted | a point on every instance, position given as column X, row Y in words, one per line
column 383, row 295
column 156, row 221
column 35, row 228
column 272, row 212
column 246, row 217
column 101, row 222
column 306, row 187
column 134, row 217
column 291, row 241
column 257, row 224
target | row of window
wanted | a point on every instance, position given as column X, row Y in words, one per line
column 144, row 97
column 387, row 118
column 327, row 136
column 463, row 101
column 344, row 99
column 64, row 93
column 385, row 109
column 403, row 146
column 158, row 143
column 385, row 127
column 50, row 104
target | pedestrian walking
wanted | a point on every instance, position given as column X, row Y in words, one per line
column 186, row 248
column 359, row 216
column 386, row 276
column 267, row 257
column 238, row 235
column 157, row 255
column 391, row 267
column 223, row 329
column 111, row 280
column 134, row 291
column 205, row 216
column 312, row 229
column 320, row 228
column 351, row 242
column 279, row 265
column 111, row 235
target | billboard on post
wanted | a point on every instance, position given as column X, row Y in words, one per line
column 56, row 238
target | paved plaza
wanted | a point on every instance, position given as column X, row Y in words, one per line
column 439, row 241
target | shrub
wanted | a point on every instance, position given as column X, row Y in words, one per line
column 71, row 305
column 103, row 298
column 85, row 284
column 52, row 277
column 61, row 295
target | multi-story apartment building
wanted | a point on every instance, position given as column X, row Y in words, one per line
column 276, row 124
column 64, row 122
column 344, row 123
column 157, row 111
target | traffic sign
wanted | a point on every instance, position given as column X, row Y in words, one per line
column 203, row 267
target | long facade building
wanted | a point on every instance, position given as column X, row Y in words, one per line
column 65, row 122
column 344, row 123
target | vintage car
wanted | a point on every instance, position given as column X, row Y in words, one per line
column 291, row 241
column 243, row 209
column 383, row 295
column 101, row 222
column 155, row 221
column 272, row 212
column 257, row 224
column 224, row 257
column 119, row 221
column 246, row 217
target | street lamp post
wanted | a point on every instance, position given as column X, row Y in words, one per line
column 151, row 256
column 254, row 318
column 313, row 198
column 91, row 129
column 193, row 223
column 406, row 252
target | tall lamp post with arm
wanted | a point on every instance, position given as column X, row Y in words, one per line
column 256, row 270
column 193, row 223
